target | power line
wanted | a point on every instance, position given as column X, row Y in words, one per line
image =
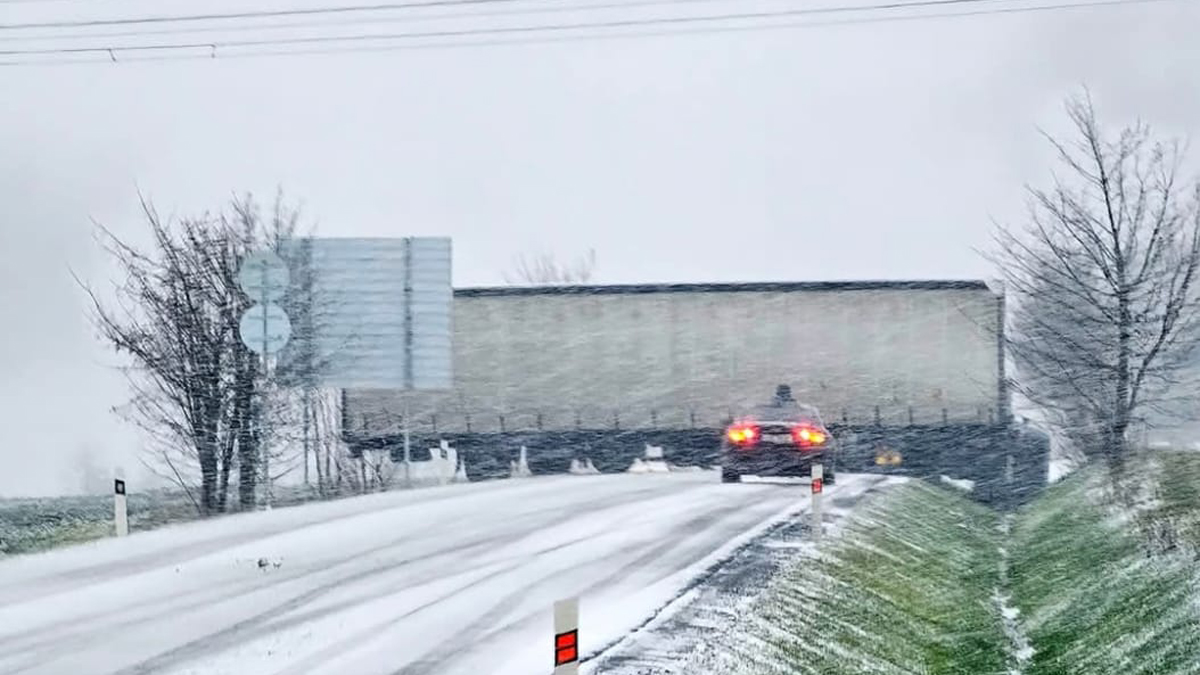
column 42, row 2
column 521, row 11
column 507, row 30
column 541, row 39
column 257, row 14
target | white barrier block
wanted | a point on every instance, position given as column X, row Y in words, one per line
column 582, row 467
column 520, row 468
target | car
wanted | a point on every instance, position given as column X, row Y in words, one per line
column 783, row 438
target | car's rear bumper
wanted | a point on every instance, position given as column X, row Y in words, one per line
column 769, row 461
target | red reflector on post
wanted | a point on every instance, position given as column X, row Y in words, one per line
column 566, row 637
column 566, row 648
column 816, row 486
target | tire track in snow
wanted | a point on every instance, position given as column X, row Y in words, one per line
column 87, row 633
column 48, row 646
column 271, row 620
column 37, row 586
column 338, row 647
column 688, row 549
column 600, row 518
column 501, row 607
column 196, row 598
column 282, row 617
column 463, row 561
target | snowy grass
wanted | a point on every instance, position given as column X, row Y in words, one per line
column 1092, row 600
column 31, row 525
column 1177, row 503
column 908, row 588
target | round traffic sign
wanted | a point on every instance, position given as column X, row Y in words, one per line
column 263, row 276
column 265, row 329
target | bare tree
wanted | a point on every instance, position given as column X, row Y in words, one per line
column 544, row 269
column 1101, row 285
column 175, row 321
column 170, row 321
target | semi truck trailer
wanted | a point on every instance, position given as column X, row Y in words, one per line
column 909, row 376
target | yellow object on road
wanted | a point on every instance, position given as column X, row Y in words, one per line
column 887, row 457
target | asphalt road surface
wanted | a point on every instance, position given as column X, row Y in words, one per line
column 455, row 580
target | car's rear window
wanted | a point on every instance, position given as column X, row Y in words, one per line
column 786, row 412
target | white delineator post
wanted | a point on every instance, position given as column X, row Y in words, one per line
column 566, row 637
column 120, row 512
column 818, row 486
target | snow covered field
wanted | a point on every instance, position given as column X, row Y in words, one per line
column 450, row 580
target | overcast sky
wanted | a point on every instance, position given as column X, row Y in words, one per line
column 839, row 152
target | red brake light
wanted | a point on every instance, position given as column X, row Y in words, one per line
column 742, row 434
column 809, row 436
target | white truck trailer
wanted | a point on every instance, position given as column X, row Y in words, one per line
column 908, row 369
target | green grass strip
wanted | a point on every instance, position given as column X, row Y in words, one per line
column 1093, row 602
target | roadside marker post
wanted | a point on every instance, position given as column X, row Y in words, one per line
column 120, row 511
column 566, row 637
column 818, row 486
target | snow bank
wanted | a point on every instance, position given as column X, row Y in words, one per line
column 520, row 467
column 441, row 468
column 1060, row 468
column 1020, row 650
column 652, row 462
column 584, row 468
column 959, row 483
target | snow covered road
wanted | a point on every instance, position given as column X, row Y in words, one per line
column 451, row 580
